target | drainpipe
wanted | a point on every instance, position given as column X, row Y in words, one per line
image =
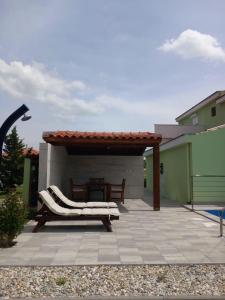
column 189, row 173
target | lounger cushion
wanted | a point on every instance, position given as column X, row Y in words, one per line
column 55, row 208
column 62, row 211
column 68, row 202
column 100, row 211
column 101, row 205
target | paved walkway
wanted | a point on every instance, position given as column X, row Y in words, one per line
column 141, row 236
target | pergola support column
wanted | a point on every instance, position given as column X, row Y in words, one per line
column 156, row 178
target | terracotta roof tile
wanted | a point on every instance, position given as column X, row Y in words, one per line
column 47, row 136
column 30, row 152
column 26, row 152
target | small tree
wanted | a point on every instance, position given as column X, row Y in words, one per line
column 12, row 161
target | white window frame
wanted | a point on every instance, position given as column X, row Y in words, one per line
column 194, row 119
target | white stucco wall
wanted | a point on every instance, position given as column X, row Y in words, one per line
column 43, row 175
column 112, row 168
column 171, row 131
column 57, row 167
column 52, row 165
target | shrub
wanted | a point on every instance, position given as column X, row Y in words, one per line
column 31, row 213
column 60, row 280
column 12, row 217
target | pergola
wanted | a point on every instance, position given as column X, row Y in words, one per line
column 111, row 143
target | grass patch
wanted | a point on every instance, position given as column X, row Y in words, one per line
column 60, row 281
column 161, row 277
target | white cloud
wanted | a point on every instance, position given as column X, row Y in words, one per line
column 34, row 82
column 192, row 44
column 145, row 108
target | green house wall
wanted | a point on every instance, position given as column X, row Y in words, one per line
column 208, row 152
column 205, row 118
column 195, row 169
column 208, row 161
column 174, row 182
column 149, row 172
column 26, row 180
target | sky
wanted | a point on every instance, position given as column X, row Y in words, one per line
column 108, row 65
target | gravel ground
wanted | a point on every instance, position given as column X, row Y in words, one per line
column 104, row 280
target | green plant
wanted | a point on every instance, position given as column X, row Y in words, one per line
column 31, row 213
column 12, row 161
column 60, row 280
column 12, row 217
column 161, row 276
column 2, row 196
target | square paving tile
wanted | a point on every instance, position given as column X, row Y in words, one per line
column 171, row 235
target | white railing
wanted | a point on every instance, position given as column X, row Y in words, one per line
column 208, row 188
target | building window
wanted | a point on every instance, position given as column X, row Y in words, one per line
column 213, row 111
column 195, row 120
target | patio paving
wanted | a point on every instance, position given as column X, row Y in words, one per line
column 173, row 235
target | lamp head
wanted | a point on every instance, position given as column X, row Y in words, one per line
column 25, row 117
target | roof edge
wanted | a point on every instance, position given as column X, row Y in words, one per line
column 214, row 96
column 76, row 137
column 178, row 141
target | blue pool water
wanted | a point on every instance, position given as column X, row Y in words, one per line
column 215, row 212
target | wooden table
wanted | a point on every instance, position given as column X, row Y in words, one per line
column 98, row 187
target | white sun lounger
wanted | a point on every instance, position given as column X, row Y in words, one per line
column 56, row 192
column 51, row 211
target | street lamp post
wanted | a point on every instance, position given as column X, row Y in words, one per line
column 9, row 122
